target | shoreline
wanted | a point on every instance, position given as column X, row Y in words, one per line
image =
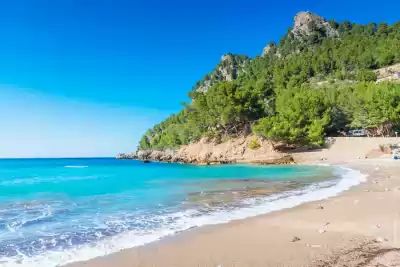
column 237, row 151
column 152, row 254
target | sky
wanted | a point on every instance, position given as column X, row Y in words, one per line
column 82, row 78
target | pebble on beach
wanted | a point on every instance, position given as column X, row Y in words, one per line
column 295, row 239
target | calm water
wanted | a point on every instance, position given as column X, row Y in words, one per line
column 56, row 211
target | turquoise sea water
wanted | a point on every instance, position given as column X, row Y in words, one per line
column 56, row 211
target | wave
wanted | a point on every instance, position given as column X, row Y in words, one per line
column 17, row 224
column 189, row 219
column 76, row 166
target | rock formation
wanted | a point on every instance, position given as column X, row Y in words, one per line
column 305, row 23
column 230, row 67
column 206, row 151
column 269, row 48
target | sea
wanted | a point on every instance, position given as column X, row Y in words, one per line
column 57, row 211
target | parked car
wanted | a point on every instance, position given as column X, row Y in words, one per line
column 357, row 132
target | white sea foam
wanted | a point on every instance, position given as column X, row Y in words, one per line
column 19, row 223
column 76, row 166
column 188, row 219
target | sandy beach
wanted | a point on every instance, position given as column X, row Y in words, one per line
column 359, row 227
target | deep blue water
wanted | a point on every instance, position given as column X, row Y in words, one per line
column 55, row 211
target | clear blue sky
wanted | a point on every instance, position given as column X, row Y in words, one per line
column 87, row 78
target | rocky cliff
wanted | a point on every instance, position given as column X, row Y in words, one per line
column 230, row 67
column 305, row 23
column 249, row 149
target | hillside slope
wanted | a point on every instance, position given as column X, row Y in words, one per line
column 274, row 97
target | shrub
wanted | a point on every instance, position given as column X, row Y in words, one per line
column 254, row 144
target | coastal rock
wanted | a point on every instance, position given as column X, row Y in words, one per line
column 206, row 151
column 305, row 23
column 126, row 155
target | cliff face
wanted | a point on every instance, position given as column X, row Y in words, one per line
column 250, row 149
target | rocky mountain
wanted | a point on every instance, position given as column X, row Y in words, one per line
column 307, row 27
column 273, row 97
column 231, row 66
column 228, row 69
column 306, row 23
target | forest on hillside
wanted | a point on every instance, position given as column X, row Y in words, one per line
column 305, row 88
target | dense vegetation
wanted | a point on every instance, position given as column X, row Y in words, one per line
column 305, row 88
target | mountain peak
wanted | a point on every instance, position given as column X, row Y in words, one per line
column 306, row 22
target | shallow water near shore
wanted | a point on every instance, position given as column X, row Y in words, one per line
column 57, row 211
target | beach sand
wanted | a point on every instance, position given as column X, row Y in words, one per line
column 360, row 227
